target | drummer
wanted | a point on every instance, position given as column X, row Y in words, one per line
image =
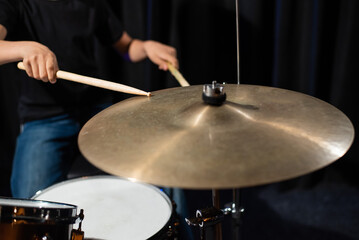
column 52, row 34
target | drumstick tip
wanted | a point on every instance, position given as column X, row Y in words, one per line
column 149, row 94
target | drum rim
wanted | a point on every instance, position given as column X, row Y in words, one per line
column 41, row 213
column 77, row 179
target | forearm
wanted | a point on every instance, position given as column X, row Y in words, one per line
column 11, row 51
column 137, row 51
column 158, row 53
column 39, row 61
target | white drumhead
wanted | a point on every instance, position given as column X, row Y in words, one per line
column 114, row 208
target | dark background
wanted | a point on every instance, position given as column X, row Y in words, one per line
column 310, row 46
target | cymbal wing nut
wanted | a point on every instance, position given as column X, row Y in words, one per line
column 213, row 94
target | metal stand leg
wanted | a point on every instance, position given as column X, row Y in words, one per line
column 216, row 204
column 211, row 218
column 237, row 211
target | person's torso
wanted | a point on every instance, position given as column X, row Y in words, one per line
column 69, row 28
column 66, row 27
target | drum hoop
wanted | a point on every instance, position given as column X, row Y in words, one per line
column 77, row 179
column 38, row 214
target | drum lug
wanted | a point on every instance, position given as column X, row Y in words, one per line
column 78, row 234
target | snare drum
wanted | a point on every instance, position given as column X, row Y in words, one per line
column 22, row 219
column 115, row 208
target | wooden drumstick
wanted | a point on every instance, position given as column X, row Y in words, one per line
column 177, row 75
column 95, row 82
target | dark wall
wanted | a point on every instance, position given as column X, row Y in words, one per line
column 9, row 125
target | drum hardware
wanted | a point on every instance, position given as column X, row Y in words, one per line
column 213, row 216
column 236, row 210
column 207, row 217
column 78, row 234
column 37, row 220
column 210, row 217
column 213, row 94
column 173, row 227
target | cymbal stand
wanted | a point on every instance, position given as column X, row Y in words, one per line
column 216, row 203
column 209, row 217
column 236, row 210
column 213, row 216
column 238, row 52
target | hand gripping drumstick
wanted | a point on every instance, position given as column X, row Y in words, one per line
column 95, row 82
column 177, row 75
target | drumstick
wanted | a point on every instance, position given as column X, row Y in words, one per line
column 177, row 75
column 95, row 82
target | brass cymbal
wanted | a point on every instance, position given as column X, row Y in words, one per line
column 259, row 135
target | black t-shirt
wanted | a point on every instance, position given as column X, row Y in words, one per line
column 70, row 29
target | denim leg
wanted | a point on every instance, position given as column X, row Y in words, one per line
column 44, row 153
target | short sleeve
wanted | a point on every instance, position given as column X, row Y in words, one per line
column 109, row 28
column 9, row 13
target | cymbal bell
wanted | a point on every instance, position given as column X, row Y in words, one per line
column 258, row 135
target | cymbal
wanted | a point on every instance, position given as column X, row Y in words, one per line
column 259, row 135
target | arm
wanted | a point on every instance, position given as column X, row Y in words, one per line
column 40, row 63
column 138, row 50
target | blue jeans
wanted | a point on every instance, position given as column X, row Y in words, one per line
column 44, row 153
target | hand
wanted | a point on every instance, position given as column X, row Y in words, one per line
column 160, row 54
column 40, row 62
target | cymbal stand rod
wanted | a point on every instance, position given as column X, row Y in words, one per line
column 238, row 54
column 216, row 204
column 237, row 211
